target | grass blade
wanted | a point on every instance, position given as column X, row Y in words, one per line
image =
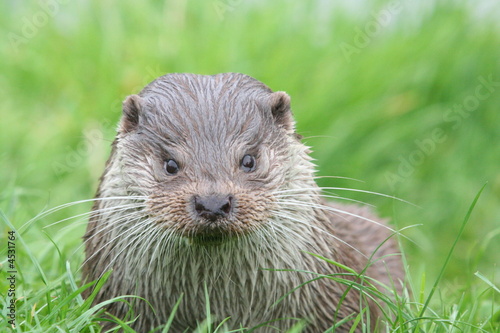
column 452, row 249
column 487, row 281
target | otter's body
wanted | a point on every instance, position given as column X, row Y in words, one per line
column 208, row 185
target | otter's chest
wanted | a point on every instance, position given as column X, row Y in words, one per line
column 244, row 288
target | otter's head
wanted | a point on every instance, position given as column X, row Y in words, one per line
column 209, row 153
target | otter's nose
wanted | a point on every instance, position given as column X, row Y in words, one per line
column 212, row 207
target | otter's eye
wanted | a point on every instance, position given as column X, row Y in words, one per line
column 248, row 163
column 171, row 167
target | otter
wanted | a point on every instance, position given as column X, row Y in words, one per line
column 209, row 191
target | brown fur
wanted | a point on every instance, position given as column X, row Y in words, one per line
column 146, row 228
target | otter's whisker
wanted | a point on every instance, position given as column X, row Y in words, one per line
column 345, row 189
column 158, row 240
column 286, row 231
column 136, row 240
column 85, row 220
column 339, row 177
column 339, row 211
column 335, row 210
column 44, row 214
column 110, row 226
column 329, row 197
column 325, row 232
column 131, row 232
column 91, row 213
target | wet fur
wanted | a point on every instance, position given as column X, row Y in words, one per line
column 207, row 123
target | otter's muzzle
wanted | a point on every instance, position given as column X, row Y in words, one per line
column 213, row 207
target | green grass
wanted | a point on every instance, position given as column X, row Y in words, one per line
column 385, row 114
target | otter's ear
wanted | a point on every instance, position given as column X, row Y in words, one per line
column 131, row 110
column 280, row 109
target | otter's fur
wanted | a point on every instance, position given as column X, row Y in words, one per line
column 146, row 225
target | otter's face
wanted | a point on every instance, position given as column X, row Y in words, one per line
column 208, row 152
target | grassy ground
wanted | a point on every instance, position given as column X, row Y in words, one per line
column 403, row 97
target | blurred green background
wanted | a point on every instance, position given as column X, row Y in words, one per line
column 401, row 95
